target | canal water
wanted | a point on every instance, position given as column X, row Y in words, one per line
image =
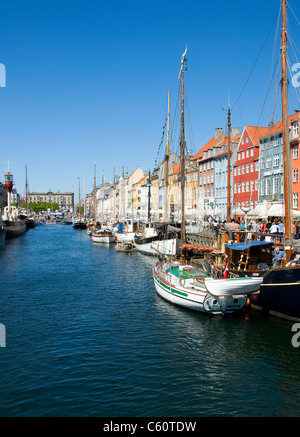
column 87, row 335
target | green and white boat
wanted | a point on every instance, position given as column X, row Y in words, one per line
column 193, row 288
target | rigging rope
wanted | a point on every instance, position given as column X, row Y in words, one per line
column 250, row 74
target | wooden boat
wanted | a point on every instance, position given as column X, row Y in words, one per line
column 103, row 236
column 193, row 288
column 126, row 230
column 125, row 246
column 14, row 225
column 156, row 240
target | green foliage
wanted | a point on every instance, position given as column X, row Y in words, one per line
column 42, row 206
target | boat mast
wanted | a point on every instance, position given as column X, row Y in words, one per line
column 285, row 134
column 166, row 215
column 114, row 193
column 94, row 192
column 79, row 199
column 228, row 168
column 149, row 196
column 26, row 188
column 182, row 146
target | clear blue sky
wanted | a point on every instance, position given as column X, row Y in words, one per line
column 87, row 81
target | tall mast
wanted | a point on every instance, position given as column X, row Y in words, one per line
column 228, row 168
column 182, row 145
column 114, row 193
column 149, row 196
column 123, row 193
column 94, row 194
column 166, row 215
column 79, row 198
column 285, row 132
column 26, row 188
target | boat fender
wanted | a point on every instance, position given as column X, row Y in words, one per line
column 182, row 280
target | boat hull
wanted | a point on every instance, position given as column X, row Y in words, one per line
column 108, row 239
column 237, row 286
column 14, row 229
column 280, row 293
column 125, row 237
column 2, row 235
column 196, row 299
column 156, row 247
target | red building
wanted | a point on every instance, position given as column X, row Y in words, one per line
column 246, row 169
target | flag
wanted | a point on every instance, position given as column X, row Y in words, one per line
column 226, row 273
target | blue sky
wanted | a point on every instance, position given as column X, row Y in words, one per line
column 87, row 82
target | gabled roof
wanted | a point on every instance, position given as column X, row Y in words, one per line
column 256, row 132
column 212, row 142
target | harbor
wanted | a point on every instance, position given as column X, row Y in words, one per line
column 87, row 335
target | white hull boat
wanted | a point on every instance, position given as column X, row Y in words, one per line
column 125, row 237
column 192, row 288
column 157, row 247
column 103, row 237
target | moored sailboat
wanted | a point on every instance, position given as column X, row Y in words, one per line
column 191, row 287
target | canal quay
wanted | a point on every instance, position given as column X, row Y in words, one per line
column 87, row 335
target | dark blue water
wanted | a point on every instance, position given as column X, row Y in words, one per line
column 87, row 335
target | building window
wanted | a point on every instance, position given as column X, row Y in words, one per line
column 295, row 152
column 243, row 187
column 276, row 185
column 247, row 153
column 247, row 168
column 296, row 129
column 235, row 171
column 243, row 169
column 276, row 160
column 247, row 186
column 296, row 175
column 268, row 163
column 252, row 167
column 239, row 170
column 268, row 187
column 295, row 200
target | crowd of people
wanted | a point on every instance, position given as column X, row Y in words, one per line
column 262, row 226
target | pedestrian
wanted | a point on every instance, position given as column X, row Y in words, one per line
column 280, row 227
column 273, row 228
column 278, row 257
column 268, row 226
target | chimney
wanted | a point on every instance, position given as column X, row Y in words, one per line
column 218, row 132
column 235, row 131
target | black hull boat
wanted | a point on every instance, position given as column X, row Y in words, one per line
column 79, row 225
column 2, row 234
column 279, row 293
column 15, row 228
